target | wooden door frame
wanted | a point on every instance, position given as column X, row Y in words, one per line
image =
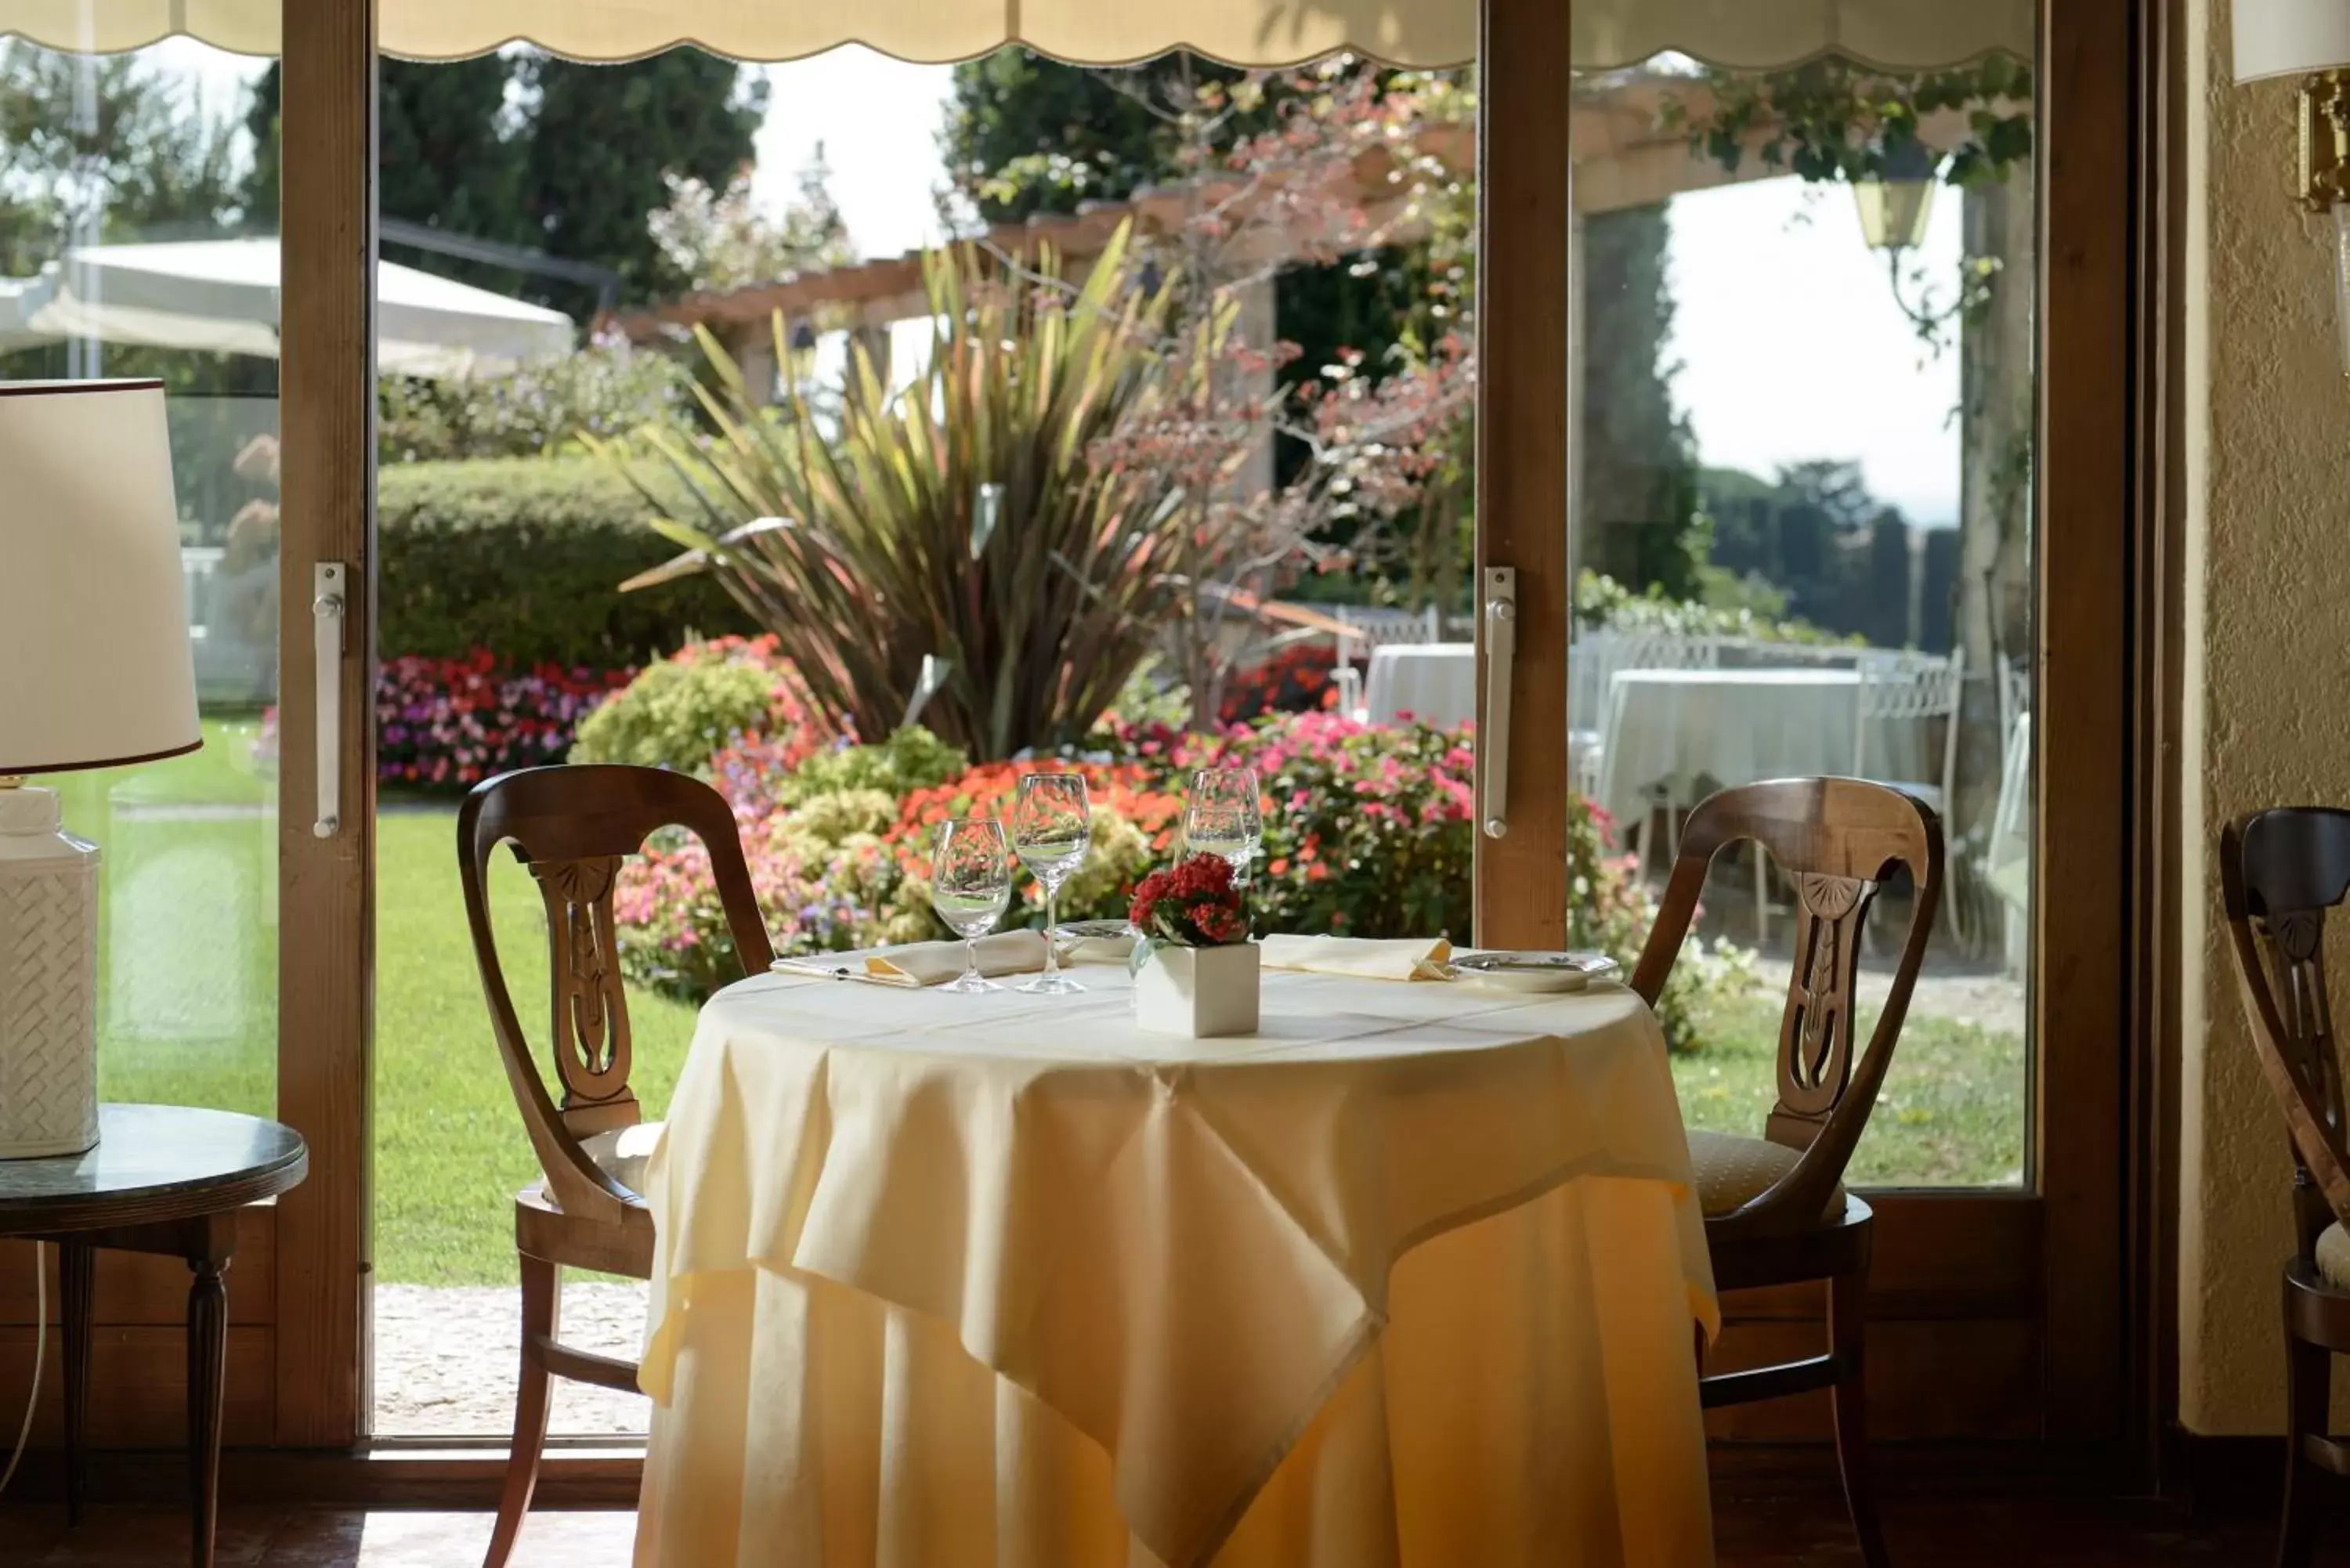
column 2064, row 1258
column 1524, row 372
column 327, row 886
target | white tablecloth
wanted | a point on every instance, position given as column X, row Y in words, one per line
column 1434, row 683
column 1677, row 727
column 1406, row 1281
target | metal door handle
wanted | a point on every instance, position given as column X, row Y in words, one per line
column 326, row 579
column 1501, row 629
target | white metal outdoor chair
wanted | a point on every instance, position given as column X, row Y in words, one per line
column 1906, row 688
column 2007, row 858
column 1910, row 689
column 2014, row 693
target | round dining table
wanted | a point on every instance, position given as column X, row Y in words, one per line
column 1404, row 1280
column 1432, row 683
column 1687, row 729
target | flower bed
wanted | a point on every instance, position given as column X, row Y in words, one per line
column 445, row 725
column 1296, row 679
column 449, row 723
column 1368, row 832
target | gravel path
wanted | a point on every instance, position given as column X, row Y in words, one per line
column 445, row 1357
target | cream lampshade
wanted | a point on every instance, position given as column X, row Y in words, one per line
column 94, row 637
column 2286, row 37
column 2310, row 39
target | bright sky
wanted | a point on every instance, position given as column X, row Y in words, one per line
column 1792, row 346
column 1790, row 343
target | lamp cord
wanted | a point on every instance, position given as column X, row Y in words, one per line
column 40, row 1349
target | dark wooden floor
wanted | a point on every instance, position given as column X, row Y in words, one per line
column 1804, row 1530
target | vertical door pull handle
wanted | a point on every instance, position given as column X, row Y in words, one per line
column 327, row 602
column 1500, row 618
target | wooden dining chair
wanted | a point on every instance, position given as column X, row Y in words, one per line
column 1776, row 1212
column 2280, row 872
column 573, row 826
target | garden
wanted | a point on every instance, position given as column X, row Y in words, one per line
column 863, row 601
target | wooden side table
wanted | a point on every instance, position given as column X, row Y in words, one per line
column 166, row 1179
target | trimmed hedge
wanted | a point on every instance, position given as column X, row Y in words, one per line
column 525, row 557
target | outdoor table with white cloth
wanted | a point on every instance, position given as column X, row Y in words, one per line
column 1434, row 683
column 1675, row 727
column 1405, row 1279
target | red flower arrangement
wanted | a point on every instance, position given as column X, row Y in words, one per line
column 1190, row 904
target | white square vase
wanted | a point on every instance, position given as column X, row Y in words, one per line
column 1204, row 993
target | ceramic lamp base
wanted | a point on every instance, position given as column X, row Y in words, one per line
column 1204, row 993
column 48, row 981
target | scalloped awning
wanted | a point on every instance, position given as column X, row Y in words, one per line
column 1894, row 34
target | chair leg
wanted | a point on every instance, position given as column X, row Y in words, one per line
column 1849, row 1399
column 542, row 1314
column 2308, row 1389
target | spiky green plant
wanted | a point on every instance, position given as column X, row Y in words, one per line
column 862, row 538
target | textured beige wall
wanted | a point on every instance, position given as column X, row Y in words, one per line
column 2268, row 682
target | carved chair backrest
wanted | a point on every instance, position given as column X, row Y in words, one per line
column 2280, row 872
column 1837, row 840
column 573, row 826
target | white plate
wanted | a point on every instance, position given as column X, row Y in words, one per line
column 1541, row 973
column 1094, row 942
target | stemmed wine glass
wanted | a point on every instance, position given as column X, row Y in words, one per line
column 1222, row 815
column 971, row 884
column 1052, row 829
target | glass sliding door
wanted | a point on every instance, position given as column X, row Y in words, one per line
column 1235, row 534
column 130, row 190
column 1778, row 410
column 139, row 233
column 1802, row 332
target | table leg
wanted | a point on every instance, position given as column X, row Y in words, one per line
column 207, row 1365
column 77, row 1263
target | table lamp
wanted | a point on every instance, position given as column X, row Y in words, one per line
column 94, row 637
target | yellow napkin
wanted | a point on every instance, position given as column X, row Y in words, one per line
column 1416, row 958
column 917, row 964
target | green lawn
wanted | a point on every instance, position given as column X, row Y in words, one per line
column 1950, row 1113
column 189, row 964
column 450, row 1149
column 187, row 923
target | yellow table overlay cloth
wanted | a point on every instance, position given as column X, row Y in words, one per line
column 1407, row 1279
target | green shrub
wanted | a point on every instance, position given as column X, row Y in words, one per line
column 911, row 759
column 524, row 557
column 675, row 716
column 1602, row 601
column 538, row 409
column 731, row 691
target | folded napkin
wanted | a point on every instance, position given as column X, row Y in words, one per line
column 1416, row 958
column 917, row 964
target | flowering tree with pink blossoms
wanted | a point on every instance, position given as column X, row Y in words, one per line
column 1351, row 161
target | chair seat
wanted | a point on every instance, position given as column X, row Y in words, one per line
column 621, row 1154
column 1732, row 1171
column 2333, row 1257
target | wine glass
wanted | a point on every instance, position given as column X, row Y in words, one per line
column 971, row 884
column 1222, row 816
column 1052, row 829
